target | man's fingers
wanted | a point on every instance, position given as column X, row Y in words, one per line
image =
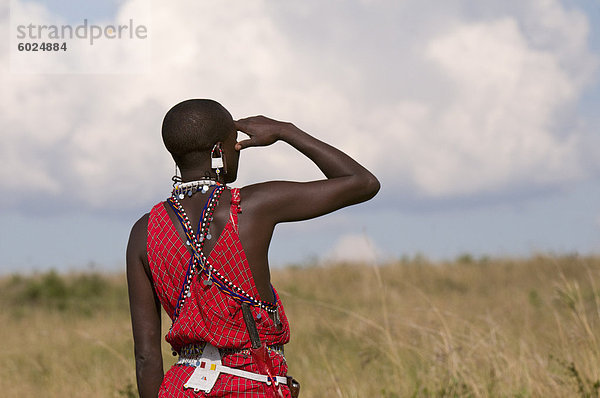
column 243, row 144
column 247, row 122
column 243, row 124
column 240, row 125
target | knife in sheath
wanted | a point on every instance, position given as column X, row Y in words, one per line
column 251, row 326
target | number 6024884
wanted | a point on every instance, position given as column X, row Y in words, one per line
column 42, row 46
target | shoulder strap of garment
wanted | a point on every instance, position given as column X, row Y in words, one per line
column 236, row 207
column 158, row 225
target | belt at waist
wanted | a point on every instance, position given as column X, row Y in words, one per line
column 192, row 352
column 207, row 360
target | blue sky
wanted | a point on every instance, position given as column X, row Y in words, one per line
column 479, row 118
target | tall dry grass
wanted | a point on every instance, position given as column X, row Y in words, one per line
column 501, row 328
column 469, row 328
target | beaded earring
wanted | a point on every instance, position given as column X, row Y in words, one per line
column 217, row 161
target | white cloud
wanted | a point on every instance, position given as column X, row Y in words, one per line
column 498, row 129
column 101, row 134
column 486, row 120
column 354, row 248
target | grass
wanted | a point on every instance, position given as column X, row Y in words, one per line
column 411, row 328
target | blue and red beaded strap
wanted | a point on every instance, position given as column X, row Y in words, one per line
column 199, row 259
column 191, row 240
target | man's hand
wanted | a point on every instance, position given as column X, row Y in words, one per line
column 261, row 130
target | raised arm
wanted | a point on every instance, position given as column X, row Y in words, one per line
column 347, row 181
column 145, row 314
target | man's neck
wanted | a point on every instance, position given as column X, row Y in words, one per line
column 198, row 174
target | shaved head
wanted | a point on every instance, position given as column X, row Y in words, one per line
column 192, row 127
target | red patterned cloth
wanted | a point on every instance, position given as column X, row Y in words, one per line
column 209, row 314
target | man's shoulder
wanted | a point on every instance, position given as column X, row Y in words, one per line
column 141, row 225
column 259, row 192
column 266, row 187
column 262, row 197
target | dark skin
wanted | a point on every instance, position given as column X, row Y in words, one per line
column 264, row 205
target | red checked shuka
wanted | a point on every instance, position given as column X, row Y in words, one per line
column 209, row 315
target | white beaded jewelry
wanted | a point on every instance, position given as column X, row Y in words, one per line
column 191, row 187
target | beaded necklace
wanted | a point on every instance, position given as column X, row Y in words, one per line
column 191, row 187
column 196, row 242
column 199, row 262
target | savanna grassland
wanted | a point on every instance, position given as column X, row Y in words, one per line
column 411, row 328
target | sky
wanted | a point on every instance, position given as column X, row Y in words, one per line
column 479, row 119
